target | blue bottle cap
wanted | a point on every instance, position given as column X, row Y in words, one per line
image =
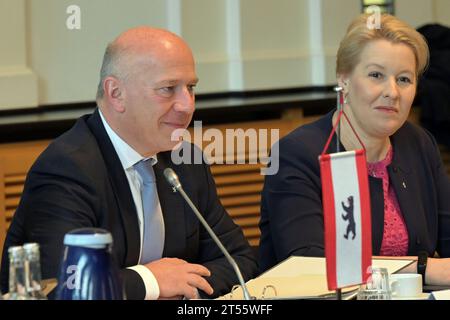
column 94, row 238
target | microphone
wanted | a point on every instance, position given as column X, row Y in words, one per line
column 173, row 180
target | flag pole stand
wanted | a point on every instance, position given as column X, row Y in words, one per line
column 358, row 189
column 338, row 294
column 339, row 107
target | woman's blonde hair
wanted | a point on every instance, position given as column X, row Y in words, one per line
column 390, row 29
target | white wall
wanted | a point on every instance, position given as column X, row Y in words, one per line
column 442, row 12
column 275, row 43
column 415, row 12
column 67, row 62
column 204, row 27
column 336, row 15
column 238, row 44
column 18, row 82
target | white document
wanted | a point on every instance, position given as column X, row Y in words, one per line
column 440, row 295
column 303, row 278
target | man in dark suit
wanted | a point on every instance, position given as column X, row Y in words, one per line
column 88, row 178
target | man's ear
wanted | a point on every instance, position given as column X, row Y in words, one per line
column 114, row 93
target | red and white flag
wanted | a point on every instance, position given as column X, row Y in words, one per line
column 347, row 218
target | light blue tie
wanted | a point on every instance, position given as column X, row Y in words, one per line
column 153, row 242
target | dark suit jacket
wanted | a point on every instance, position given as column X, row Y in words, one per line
column 78, row 181
column 434, row 85
column 292, row 214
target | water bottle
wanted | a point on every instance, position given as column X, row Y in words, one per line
column 17, row 274
column 87, row 270
column 33, row 271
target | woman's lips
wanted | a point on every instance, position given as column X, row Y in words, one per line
column 387, row 109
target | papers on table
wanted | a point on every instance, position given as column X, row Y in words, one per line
column 440, row 295
column 303, row 278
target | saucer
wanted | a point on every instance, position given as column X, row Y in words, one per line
column 422, row 296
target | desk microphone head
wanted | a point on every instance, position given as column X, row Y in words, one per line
column 172, row 178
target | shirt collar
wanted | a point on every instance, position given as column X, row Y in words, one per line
column 127, row 155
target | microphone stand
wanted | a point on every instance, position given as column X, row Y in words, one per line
column 172, row 178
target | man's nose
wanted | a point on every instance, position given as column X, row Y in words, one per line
column 185, row 100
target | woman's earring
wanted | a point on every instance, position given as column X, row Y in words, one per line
column 345, row 99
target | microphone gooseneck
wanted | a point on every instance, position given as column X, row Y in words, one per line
column 173, row 180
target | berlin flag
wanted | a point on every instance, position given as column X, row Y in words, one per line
column 347, row 218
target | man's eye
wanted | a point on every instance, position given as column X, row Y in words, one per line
column 166, row 90
column 191, row 88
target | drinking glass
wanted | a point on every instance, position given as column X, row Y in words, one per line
column 377, row 286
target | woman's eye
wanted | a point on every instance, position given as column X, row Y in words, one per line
column 405, row 80
column 376, row 75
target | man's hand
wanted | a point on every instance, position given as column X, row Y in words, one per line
column 178, row 278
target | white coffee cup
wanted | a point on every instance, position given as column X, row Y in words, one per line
column 405, row 285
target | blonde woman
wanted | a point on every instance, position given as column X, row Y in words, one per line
column 378, row 70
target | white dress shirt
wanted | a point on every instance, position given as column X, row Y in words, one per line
column 128, row 158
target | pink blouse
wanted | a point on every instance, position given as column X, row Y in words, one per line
column 395, row 234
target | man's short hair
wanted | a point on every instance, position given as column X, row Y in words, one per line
column 110, row 66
